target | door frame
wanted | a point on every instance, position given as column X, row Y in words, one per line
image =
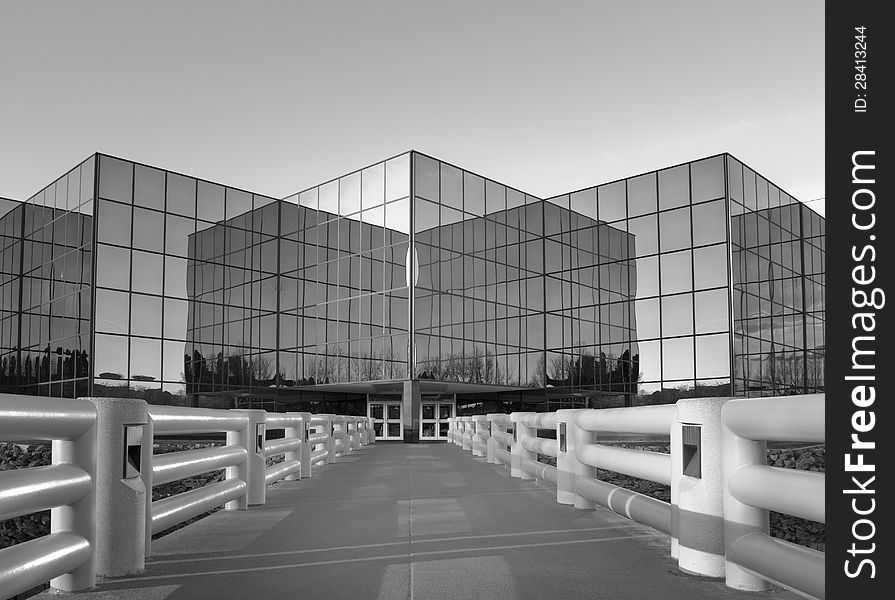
column 438, row 402
column 385, row 420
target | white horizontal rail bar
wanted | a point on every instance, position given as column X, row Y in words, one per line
column 502, row 437
column 792, row 566
column 655, row 420
column 539, row 470
column 637, row 507
column 544, row 446
column 545, row 420
column 29, row 564
column 788, row 491
column 169, row 420
column 503, row 420
column 280, row 470
column 281, row 446
column 317, row 438
column 319, row 421
column 319, row 455
column 653, row 466
column 178, row 465
column 24, row 491
column 25, row 418
column 503, row 456
column 787, row 418
column 172, row 510
column 281, row 421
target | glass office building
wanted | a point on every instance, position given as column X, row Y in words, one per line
column 411, row 290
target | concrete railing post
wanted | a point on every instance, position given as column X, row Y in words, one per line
column 568, row 468
column 467, row 433
column 518, row 452
column 305, row 446
column 253, row 469
column 329, row 429
column 79, row 517
column 480, row 435
column 297, row 432
column 697, row 512
column 496, row 429
column 123, row 452
column 740, row 518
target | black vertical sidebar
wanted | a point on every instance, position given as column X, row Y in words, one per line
column 859, row 328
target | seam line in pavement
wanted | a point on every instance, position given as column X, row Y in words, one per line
column 372, row 558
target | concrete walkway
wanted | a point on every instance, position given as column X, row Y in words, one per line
column 395, row 521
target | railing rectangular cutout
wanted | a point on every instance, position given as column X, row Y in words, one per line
column 133, row 451
column 562, row 437
column 259, row 438
column 691, row 451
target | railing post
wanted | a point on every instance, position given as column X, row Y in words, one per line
column 480, row 435
column 123, row 451
column 467, row 433
column 518, row 452
column 697, row 511
column 252, row 470
column 295, row 433
column 330, row 429
column 495, row 429
column 305, row 445
column 740, row 518
column 568, row 468
column 371, row 433
column 79, row 517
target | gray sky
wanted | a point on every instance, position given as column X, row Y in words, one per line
column 278, row 96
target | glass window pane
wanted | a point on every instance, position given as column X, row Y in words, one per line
column 237, row 203
column 175, row 325
column 711, row 311
column 349, row 194
column 496, row 199
column 397, row 177
column 149, row 187
column 114, row 225
column 642, row 195
column 710, row 266
column 674, row 187
column 145, row 361
column 647, row 318
column 647, row 272
column 425, row 174
column 707, row 179
column 113, row 267
column 177, row 234
column 712, row 356
column 650, row 362
column 397, row 216
column 110, row 357
column 175, row 277
column 428, row 411
column 676, row 274
column 146, row 315
column 147, row 272
column 677, row 359
column 149, row 229
column 644, row 235
column 674, row 227
column 112, row 314
column 394, row 411
column 473, row 194
column 181, row 195
column 451, row 186
column 611, row 202
column 709, row 223
column 210, row 202
column 735, row 173
column 173, row 361
column 677, row 315
column 116, row 179
column 373, row 186
column 425, row 215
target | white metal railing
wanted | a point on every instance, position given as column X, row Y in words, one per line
column 103, row 465
column 751, row 489
column 721, row 488
column 67, row 555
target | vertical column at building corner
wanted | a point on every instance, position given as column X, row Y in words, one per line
column 410, row 410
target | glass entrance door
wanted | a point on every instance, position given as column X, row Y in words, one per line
column 434, row 415
column 387, row 422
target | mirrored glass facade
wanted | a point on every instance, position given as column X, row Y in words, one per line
column 698, row 279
